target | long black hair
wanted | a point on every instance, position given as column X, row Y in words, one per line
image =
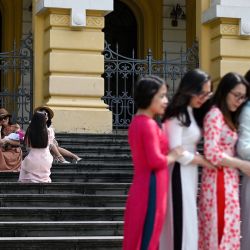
column 227, row 83
column 37, row 132
column 145, row 90
column 191, row 84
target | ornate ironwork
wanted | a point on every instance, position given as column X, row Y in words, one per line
column 16, row 81
column 121, row 74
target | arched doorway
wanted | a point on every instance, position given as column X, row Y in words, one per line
column 121, row 42
column 121, row 29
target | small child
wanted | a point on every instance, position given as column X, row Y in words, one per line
column 16, row 135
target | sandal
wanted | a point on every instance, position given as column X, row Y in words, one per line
column 60, row 159
column 75, row 161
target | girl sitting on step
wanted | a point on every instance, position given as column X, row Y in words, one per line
column 58, row 152
column 37, row 164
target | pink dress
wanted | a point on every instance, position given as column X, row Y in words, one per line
column 149, row 148
column 36, row 165
column 219, row 140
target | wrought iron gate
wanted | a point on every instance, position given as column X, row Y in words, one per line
column 16, row 81
column 121, row 74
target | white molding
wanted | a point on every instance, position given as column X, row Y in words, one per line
column 239, row 3
column 78, row 8
column 238, row 11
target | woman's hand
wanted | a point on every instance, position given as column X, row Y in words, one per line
column 245, row 167
column 174, row 154
column 203, row 162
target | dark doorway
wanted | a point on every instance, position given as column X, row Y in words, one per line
column 121, row 28
column 120, row 48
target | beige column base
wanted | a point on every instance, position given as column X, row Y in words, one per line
column 82, row 120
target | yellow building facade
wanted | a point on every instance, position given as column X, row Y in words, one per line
column 68, row 41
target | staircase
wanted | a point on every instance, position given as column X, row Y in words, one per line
column 83, row 206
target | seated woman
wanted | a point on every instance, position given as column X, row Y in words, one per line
column 37, row 164
column 58, row 152
column 10, row 150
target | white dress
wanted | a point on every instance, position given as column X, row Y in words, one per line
column 243, row 150
column 186, row 234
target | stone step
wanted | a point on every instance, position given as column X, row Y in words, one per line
column 62, row 243
column 61, row 214
column 84, row 177
column 63, row 200
column 90, row 143
column 104, row 158
column 123, row 148
column 61, row 228
column 95, row 137
column 93, row 167
column 64, row 188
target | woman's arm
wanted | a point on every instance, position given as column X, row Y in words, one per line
column 152, row 145
column 11, row 142
column 174, row 130
column 213, row 124
column 202, row 161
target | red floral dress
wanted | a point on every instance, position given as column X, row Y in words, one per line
column 219, row 140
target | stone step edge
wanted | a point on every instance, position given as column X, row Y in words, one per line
column 64, row 238
column 62, row 208
column 63, row 195
column 59, row 222
column 66, row 183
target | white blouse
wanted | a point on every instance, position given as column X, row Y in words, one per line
column 187, row 137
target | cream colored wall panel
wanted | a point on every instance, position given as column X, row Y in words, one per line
column 230, row 48
column 76, row 86
column 88, row 40
column 235, row 48
column 26, row 3
column 174, row 47
column 27, row 27
column 173, row 56
column 174, row 35
column 238, row 66
column 76, row 63
column 82, row 120
column 27, row 15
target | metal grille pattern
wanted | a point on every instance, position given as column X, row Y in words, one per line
column 16, row 81
column 121, row 74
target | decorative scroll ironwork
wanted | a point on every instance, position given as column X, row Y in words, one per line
column 121, row 74
column 16, row 81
